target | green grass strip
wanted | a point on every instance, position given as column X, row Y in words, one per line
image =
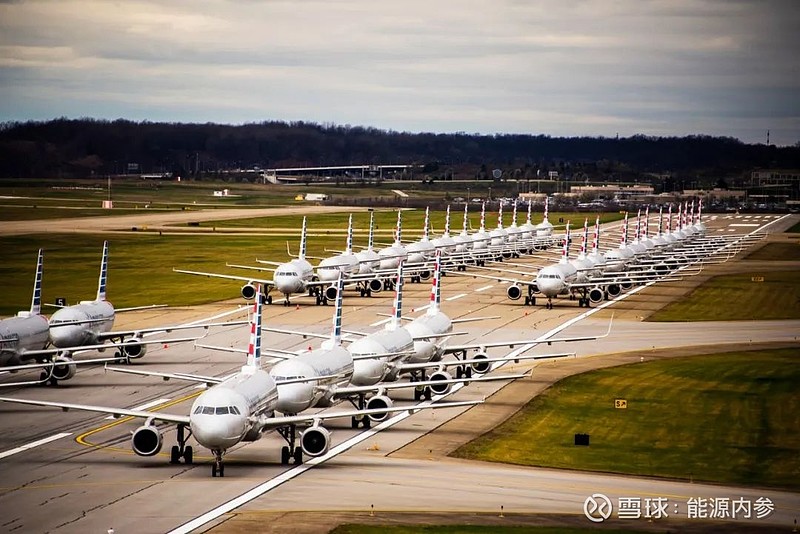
column 729, row 418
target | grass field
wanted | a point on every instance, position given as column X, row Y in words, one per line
column 737, row 297
column 777, row 252
column 140, row 267
column 794, row 229
column 728, row 418
column 466, row 529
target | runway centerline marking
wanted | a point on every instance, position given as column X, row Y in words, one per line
column 28, row 446
column 484, row 288
column 454, row 297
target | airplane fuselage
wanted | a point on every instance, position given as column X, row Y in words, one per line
column 368, row 372
column 555, row 279
column 294, row 398
column 96, row 317
column 291, row 277
column 328, row 269
column 22, row 333
column 427, row 350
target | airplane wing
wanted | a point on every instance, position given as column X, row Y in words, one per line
column 137, row 308
column 121, row 334
column 45, row 367
column 497, row 278
column 209, row 380
column 279, row 421
column 116, row 412
column 471, row 361
column 267, row 353
column 101, row 346
column 266, row 282
column 353, row 390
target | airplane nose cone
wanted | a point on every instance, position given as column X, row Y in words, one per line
column 218, row 431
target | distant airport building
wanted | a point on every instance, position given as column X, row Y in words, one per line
column 339, row 173
column 618, row 193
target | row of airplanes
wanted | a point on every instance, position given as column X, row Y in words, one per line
column 362, row 368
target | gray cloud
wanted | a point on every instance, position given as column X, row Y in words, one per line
column 568, row 67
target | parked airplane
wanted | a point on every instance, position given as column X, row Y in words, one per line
column 234, row 410
column 28, row 330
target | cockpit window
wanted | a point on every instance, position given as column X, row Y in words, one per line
column 222, row 410
column 234, row 410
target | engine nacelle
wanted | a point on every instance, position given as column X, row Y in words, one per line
column 613, row 290
column 440, row 389
column 661, row 269
column 330, row 292
column 596, row 294
column 64, row 368
column 480, row 367
column 146, row 441
column 424, row 275
column 379, row 402
column 626, row 284
column 248, row 291
column 315, row 441
column 133, row 348
column 375, row 285
column 514, row 292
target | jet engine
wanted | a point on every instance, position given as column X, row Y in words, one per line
column 440, row 389
column 424, row 275
column 480, row 367
column 133, row 348
column 146, row 440
column 661, row 269
column 64, row 368
column 626, row 284
column 375, row 285
column 379, row 402
column 315, row 441
column 613, row 290
column 596, row 294
column 330, row 292
column 248, row 291
column 514, row 292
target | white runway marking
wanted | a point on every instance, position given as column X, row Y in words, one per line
column 745, row 224
column 145, row 406
column 484, row 288
column 34, row 444
column 454, row 297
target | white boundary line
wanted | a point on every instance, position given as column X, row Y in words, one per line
column 34, row 444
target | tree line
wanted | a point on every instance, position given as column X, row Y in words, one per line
column 89, row 147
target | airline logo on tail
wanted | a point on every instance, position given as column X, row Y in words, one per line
column 101, row 286
column 36, row 301
column 397, row 311
column 596, row 244
column 336, row 333
column 625, row 230
column 565, row 250
column 585, row 236
column 303, row 241
column 436, row 285
column 254, row 348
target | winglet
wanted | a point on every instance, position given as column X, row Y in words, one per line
column 436, row 285
column 336, row 332
column 101, row 285
column 36, row 300
column 397, row 312
column 254, row 348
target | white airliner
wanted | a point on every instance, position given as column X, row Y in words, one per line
column 289, row 278
column 236, row 409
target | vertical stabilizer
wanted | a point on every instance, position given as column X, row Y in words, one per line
column 336, row 331
column 466, row 218
column 700, row 210
column 647, row 222
column 370, row 239
column 514, row 215
column 565, row 250
column 660, row 221
column 585, row 241
column 398, row 236
column 530, row 206
column 254, row 348
column 500, row 217
column 436, row 285
column 101, row 285
column 303, row 238
column 36, row 300
column 596, row 244
column 624, row 238
column 638, row 225
column 483, row 217
column 447, row 222
column 426, row 225
column 349, row 249
column 669, row 219
column 546, row 208
column 397, row 311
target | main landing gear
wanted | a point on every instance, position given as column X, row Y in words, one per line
column 181, row 450
column 421, row 392
column 363, row 420
column 290, row 451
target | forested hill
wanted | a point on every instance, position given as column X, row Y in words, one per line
column 66, row 147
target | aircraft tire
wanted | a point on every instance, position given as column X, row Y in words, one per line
column 427, row 393
column 188, row 455
column 269, row 299
column 298, row 456
column 284, row 455
column 353, row 422
column 221, row 470
column 174, row 455
column 369, row 292
column 365, row 422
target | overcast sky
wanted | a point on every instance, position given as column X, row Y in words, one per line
column 562, row 68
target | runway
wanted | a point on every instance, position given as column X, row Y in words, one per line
column 89, row 479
